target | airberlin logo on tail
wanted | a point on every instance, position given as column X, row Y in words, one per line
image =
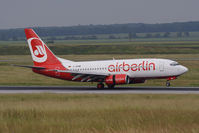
column 37, row 49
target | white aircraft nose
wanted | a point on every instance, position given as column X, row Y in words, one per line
column 184, row 69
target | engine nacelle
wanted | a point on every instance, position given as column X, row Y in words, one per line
column 117, row 79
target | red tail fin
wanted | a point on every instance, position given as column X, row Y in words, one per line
column 41, row 54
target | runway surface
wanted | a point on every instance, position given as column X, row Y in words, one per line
column 94, row 90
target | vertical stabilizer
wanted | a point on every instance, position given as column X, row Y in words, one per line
column 41, row 54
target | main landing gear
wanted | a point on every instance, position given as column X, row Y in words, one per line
column 100, row 86
column 111, row 86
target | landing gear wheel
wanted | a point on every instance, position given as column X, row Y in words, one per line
column 111, row 86
column 100, row 86
column 168, row 84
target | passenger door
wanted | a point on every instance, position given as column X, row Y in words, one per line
column 161, row 66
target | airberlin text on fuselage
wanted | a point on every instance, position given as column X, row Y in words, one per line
column 145, row 66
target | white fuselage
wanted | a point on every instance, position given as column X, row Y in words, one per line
column 134, row 68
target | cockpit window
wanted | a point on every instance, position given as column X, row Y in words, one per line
column 174, row 64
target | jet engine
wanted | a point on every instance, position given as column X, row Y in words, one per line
column 117, row 79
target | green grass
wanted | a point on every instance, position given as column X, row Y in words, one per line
column 11, row 75
column 117, row 47
column 84, row 113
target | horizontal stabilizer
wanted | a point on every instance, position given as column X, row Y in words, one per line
column 30, row 66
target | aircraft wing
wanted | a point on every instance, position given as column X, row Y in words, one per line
column 85, row 76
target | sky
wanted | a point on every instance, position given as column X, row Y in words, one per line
column 43, row 13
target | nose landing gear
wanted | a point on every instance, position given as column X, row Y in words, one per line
column 168, row 81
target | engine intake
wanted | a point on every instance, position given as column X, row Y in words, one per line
column 117, row 79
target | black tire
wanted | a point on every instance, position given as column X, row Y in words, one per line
column 100, row 86
column 168, row 84
column 111, row 86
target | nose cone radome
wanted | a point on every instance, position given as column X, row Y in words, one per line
column 184, row 69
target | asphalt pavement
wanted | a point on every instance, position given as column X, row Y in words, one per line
column 94, row 90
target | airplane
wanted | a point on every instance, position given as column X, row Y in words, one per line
column 111, row 72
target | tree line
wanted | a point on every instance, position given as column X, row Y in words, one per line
column 131, row 29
